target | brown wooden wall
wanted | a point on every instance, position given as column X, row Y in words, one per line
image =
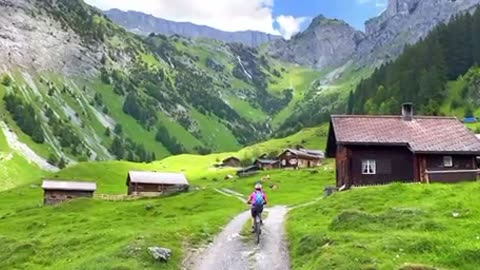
column 460, row 162
column 302, row 162
column 343, row 166
column 153, row 188
column 393, row 163
column 57, row 196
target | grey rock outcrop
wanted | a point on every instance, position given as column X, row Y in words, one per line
column 406, row 22
column 326, row 42
column 53, row 50
column 145, row 24
column 332, row 43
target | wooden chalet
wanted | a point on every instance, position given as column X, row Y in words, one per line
column 60, row 191
column 300, row 158
column 247, row 171
column 233, row 162
column 267, row 164
column 150, row 183
column 382, row 149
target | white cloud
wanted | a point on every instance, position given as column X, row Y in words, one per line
column 231, row 15
column 378, row 3
column 290, row 25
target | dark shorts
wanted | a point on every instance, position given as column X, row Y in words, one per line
column 257, row 210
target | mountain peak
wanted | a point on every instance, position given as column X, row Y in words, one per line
column 145, row 24
column 322, row 21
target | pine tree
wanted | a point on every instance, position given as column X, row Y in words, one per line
column 107, row 132
column 117, row 149
column 350, row 104
column 475, row 34
column 52, row 159
column 62, row 163
column 6, row 81
column 118, row 129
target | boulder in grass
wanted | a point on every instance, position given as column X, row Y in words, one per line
column 160, row 254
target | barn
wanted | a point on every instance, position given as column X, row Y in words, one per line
column 151, row 183
column 300, row 158
column 59, row 191
column 267, row 164
column 233, row 162
column 373, row 150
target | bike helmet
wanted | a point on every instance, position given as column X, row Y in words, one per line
column 258, row 186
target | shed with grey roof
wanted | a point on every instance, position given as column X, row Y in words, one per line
column 56, row 191
column 148, row 182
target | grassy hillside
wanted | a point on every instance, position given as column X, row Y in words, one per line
column 15, row 169
column 144, row 98
column 390, row 227
column 93, row 234
column 96, row 234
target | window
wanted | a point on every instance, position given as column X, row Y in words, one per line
column 447, row 161
column 369, row 167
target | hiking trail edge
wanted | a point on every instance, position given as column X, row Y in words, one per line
column 229, row 251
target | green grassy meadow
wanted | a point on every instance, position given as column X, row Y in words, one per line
column 398, row 227
column 390, row 227
column 93, row 234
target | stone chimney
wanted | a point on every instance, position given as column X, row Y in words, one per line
column 407, row 111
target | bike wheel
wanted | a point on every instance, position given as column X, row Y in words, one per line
column 257, row 231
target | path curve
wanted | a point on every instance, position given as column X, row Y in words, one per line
column 230, row 252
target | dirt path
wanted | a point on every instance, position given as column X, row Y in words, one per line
column 230, row 252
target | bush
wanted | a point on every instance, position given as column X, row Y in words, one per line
column 52, row 159
column 7, row 81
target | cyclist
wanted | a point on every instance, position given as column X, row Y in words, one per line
column 257, row 199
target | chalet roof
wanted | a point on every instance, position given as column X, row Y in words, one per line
column 249, row 168
column 145, row 177
column 422, row 134
column 230, row 158
column 68, row 185
column 304, row 153
column 267, row 161
column 314, row 152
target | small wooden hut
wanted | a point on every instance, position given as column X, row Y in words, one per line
column 233, row 162
column 151, row 183
column 301, row 158
column 60, row 191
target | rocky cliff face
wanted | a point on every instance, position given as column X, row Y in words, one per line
column 406, row 22
column 54, row 50
column 326, row 42
column 144, row 24
column 331, row 43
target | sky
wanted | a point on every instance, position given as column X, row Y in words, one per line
column 281, row 17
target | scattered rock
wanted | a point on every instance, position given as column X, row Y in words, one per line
column 455, row 214
column 160, row 254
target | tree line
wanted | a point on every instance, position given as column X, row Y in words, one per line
column 420, row 74
column 24, row 115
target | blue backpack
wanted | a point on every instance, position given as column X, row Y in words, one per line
column 259, row 198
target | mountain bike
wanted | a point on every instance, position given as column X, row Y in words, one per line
column 257, row 227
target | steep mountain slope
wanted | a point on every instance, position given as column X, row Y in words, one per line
column 75, row 86
column 406, row 22
column 145, row 24
column 325, row 43
column 331, row 43
column 422, row 72
column 403, row 23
